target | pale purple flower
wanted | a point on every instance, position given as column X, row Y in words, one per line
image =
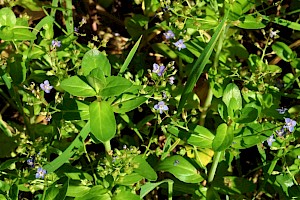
column 169, row 35
column 158, row 69
column 281, row 110
column 281, row 132
column 46, row 86
column 40, row 173
column 171, row 80
column 30, row 161
column 76, row 29
column 56, row 43
column 270, row 140
column 273, row 34
column 161, row 106
column 289, row 124
column 179, row 44
column 164, row 95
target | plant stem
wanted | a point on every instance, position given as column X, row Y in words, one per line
column 206, row 106
column 107, row 146
column 214, row 166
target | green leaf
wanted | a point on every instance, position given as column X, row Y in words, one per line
column 17, row 70
column 21, row 30
column 251, row 22
column 77, row 190
column 164, row 50
column 103, row 122
column 198, row 136
column 58, row 190
column 283, row 51
column 48, row 20
column 77, row 87
column 97, row 79
column 130, row 179
column 96, row 193
column 14, row 192
column 248, row 114
column 126, row 195
column 201, row 63
column 69, row 152
column 128, row 102
column 144, row 169
column 73, row 109
column 115, row 86
column 232, row 92
column 223, row 139
column 7, row 17
column 181, row 169
column 148, row 187
column 130, row 56
column 94, row 59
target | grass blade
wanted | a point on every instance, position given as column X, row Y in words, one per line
column 200, row 64
column 69, row 152
column 130, row 56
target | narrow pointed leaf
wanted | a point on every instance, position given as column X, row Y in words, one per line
column 200, row 63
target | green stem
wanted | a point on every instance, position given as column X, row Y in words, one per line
column 214, row 166
column 90, row 163
column 206, row 106
column 107, row 146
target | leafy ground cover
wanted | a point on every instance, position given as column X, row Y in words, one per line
column 149, row 99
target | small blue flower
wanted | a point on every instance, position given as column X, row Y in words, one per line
column 281, row 110
column 40, row 173
column 270, row 140
column 76, row 29
column 30, row 161
column 56, row 43
column 179, row 44
column 158, row 69
column 281, row 132
column 169, row 35
column 171, row 80
column 289, row 124
column 161, row 106
column 46, row 86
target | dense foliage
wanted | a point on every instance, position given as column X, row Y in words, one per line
column 149, row 99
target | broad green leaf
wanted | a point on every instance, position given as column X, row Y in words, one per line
column 97, row 192
column 126, row 195
column 69, row 152
column 97, row 79
column 115, row 86
column 283, row 51
column 201, row 63
column 103, row 122
column 130, row 179
column 58, row 190
column 7, row 17
column 223, row 138
column 14, row 192
column 77, row 190
column 7, row 163
column 251, row 22
column 21, row 30
column 180, row 168
column 77, row 87
column 17, row 70
column 130, row 56
column 73, row 109
column 252, row 134
column 232, row 91
column 144, row 169
column 94, row 59
column 6, row 33
column 148, row 187
column 198, row 136
column 128, row 102
column 164, row 50
column 150, row 7
column 248, row 114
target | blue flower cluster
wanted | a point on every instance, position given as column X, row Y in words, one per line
column 179, row 44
